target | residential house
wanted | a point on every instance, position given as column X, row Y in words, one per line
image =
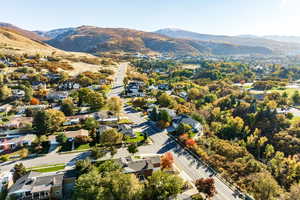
column 17, row 93
column 74, row 134
column 6, row 108
column 37, row 186
column 142, row 167
column 17, row 122
column 135, row 89
column 69, row 85
column 171, row 112
column 196, row 126
column 57, row 95
column 126, row 129
column 76, row 119
column 6, row 180
column 105, row 116
column 38, row 85
column 103, row 128
column 15, row 142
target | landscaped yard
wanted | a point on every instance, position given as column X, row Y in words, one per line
column 139, row 137
column 47, row 168
column 83, row 147
column 295, row 120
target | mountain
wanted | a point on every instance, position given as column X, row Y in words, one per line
column 13, row 42
column 26, row 33
column 245, row 40
column 54, row 33
column 293, row 39
column 93, row 39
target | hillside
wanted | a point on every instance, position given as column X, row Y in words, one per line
column 13, row 42
column 94, row 39
column 275, row 46
column 26, row 33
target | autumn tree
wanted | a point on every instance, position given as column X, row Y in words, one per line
column 5, row 93
column 34, row 101
column 167, row 160
column 115, row 105
column 263, row 186
column 48, row 121
column 68, row 107
column 108, row 184
column 206, row 186
column 19, row 171
column 28, row 94
column 111, row 137
column 132, row 148
column 162, row 185
column 166, row 100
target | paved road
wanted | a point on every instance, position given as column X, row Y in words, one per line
column 161, row 144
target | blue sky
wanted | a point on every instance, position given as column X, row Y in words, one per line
column 231, row 17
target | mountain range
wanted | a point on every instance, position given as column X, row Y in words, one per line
column 91, row 39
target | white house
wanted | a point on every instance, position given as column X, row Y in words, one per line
column 183, row 119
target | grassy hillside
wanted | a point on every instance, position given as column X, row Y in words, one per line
column 94, row 39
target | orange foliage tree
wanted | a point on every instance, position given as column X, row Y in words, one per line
column 34, row 101
column 167, row 160
column 190, row 143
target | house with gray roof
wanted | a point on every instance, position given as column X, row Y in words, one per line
column 142, row 167
column 37, row 186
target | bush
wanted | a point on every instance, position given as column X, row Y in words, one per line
column 4, row 158
column 98, row 152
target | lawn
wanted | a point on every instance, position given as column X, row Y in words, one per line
column 139, row 137
column 47, row 168
column 50, row 169
column 289, row 91
column 295, row 120
column 83, row 147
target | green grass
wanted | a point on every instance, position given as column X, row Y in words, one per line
column 139, row 137
column 50, row 169
column 45, row 166
column 295, row 120
column 82, row 147
column 289, row 91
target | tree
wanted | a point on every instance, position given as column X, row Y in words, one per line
column 296, row 97
column 115, row 105
column 167, row 160
column 96, row 100
column 166, row 100
column 68, row 107
column 294, row 192
column 5, row 93
column 269, row 151
column 263, row 186
column 24, row 153
column 19, row 171
column 34, row 101
column 97, row 152
column 28, row 93
column 206, row 186
column 61, row 138
column 84, row 166
column 154, row 114
column 48, row 121
column 162, row 185
column 91, row 124
column 132, row 148
column 83, row 95
column 111, row 137
column 112, row 185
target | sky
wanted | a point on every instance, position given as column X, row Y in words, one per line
column 223, row 17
